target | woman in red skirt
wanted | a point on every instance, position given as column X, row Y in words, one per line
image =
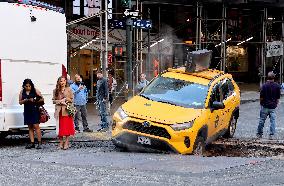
column 61, row 96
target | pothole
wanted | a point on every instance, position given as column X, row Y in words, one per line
column 246, row 148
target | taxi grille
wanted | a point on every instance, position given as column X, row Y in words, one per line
column 152, row 130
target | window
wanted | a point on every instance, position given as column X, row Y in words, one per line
column 216, row 94
column 177, row 92
column 231, row 86
column 222, row 90
column 227, row 88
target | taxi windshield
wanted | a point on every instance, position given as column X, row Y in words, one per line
column 176, row 92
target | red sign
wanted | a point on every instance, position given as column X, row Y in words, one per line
column 156, row 67
column 109, row 58
column 86, row 32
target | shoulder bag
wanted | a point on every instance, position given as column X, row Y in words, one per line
column 43, row 115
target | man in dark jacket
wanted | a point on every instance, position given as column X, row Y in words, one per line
column 269, row 99
column 102, row 99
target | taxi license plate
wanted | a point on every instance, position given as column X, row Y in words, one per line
column 144, row 140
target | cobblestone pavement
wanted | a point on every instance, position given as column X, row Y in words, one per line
column 93, row 160
column 100, row 163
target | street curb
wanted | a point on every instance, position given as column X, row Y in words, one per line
column 255, row 100
column 249, row 101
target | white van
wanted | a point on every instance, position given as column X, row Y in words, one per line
column 33, row 44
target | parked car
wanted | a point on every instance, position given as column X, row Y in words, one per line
column 179, row 111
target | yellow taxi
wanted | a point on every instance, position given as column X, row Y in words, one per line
column 179, row 111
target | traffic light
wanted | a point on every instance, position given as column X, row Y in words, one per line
column 125, row 3
column 118, row 51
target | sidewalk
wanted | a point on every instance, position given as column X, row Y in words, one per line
column 249, row 96
column 94, row 121
column 249, row 92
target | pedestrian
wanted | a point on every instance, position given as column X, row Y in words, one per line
column 62, row 95
column 80, row 100
column 101, row 100
column 269, row 99
column 31, row 98
column 142, row 83
column 112, row 84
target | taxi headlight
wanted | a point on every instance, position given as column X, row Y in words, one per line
column 121, row 113
column 182, row 126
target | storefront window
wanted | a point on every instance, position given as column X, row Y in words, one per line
column 237, row 59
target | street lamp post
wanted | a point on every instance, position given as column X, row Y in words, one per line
column 129, row 56
column 129, row 24
column 101, row 35
column 105, row 63
column 263, row 48
column 148, row 64
column 92, row 73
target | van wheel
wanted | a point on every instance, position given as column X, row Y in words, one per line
column 3, row 135
column 199, row 146
column 42, row 133
column 232, row 127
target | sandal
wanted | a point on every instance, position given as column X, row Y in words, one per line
column 66, row 146
column 61, row 145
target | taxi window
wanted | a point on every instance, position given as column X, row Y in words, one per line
column 216, row 94
column 227, row 88
column 231, row 86
column 177, row 92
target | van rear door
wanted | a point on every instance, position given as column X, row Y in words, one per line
column 43, row 75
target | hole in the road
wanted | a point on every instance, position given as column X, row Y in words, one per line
column 235, row 148
column 246, row 148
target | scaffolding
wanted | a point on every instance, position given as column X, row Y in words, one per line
column 202, row 21
column 202, row 18
column 202, row 24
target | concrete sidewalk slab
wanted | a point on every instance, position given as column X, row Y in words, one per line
column 249, row 96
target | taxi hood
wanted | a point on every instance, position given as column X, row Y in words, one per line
column 142, row 108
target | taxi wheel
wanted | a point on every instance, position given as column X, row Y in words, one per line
column 199, row 147
column 121, row 149
column 232, row 128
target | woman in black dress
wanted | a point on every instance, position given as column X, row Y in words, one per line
column 31, row 98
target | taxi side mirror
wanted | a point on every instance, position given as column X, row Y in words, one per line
column 218, row 105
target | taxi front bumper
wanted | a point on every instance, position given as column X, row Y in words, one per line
column 162, row 137
column 129, row 140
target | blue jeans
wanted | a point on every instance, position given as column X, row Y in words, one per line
column 103, row 114
column 264, row 112
column 83, row 110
